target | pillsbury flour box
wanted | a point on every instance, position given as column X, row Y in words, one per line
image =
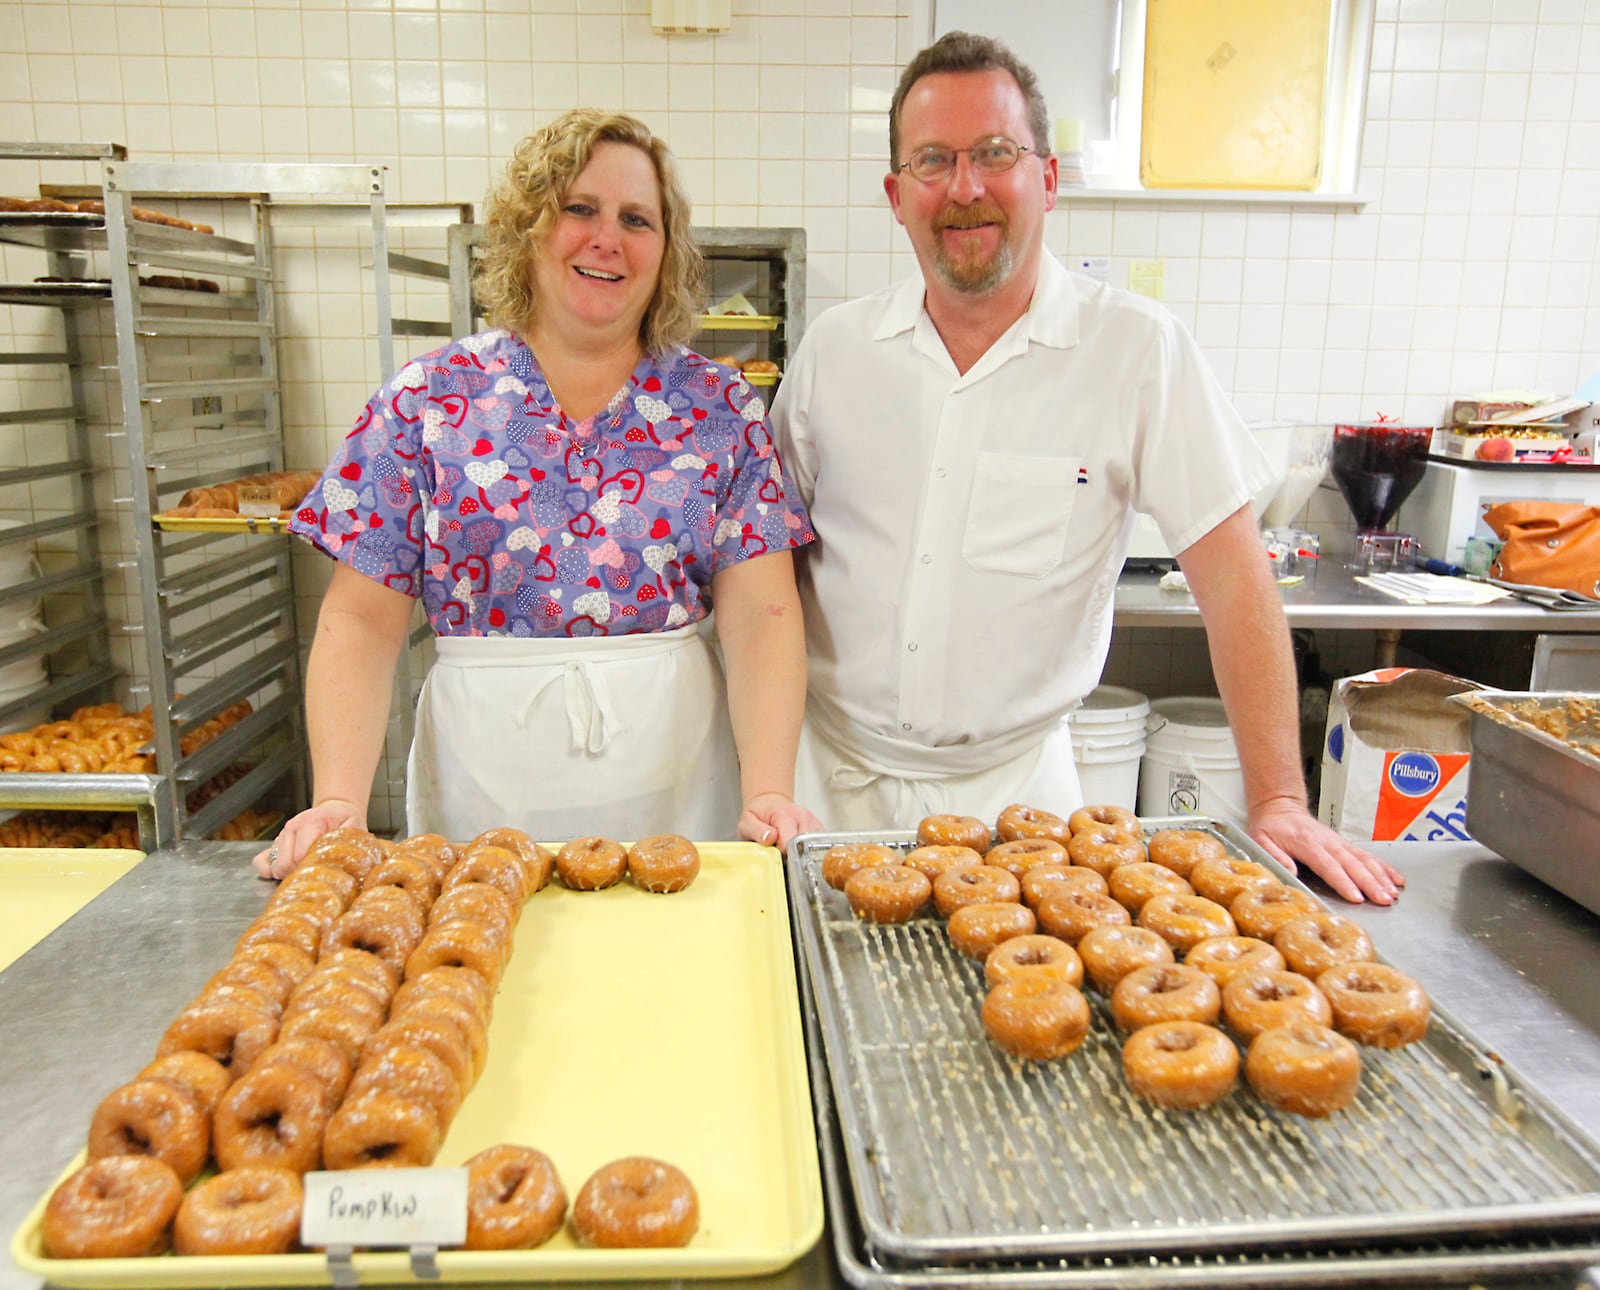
column 1394, row 764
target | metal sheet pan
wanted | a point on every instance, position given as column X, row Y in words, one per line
column 626, row 1024
column 42, row 887
column 958, row 1153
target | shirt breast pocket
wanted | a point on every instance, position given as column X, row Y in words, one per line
column 1021, row 508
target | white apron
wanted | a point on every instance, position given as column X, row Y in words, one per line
column 867, row 782
column 620, row 736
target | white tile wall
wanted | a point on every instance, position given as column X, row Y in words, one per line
column 1475, row 265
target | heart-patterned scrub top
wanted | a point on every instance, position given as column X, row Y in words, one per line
column 463, row 482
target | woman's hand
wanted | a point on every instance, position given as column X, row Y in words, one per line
column 773, row 819
column 279, row 860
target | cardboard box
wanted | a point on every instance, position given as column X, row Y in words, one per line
column 1395, row 760
column 1514, row 445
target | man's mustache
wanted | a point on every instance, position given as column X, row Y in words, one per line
column 968, row 216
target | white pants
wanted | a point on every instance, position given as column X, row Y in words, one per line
column 620, row 736
column 851, row 793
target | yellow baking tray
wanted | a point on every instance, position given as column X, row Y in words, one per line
column 40, row 888
column 738, row 322
column 220, row 524
column 626, row 1024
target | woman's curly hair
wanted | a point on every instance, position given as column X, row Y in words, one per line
column 525, row 205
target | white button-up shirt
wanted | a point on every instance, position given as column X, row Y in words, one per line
column 971, row 527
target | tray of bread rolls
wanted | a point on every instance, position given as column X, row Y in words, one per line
column 638, row 1019
column 984, row 1119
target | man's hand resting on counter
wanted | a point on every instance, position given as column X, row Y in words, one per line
column 1289, row 834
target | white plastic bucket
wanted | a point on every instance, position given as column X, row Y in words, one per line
column 1108, row 741
column 23, row 674
column 1190, row 765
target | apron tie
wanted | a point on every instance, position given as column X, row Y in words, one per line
column 591, row 717
column 910, row 788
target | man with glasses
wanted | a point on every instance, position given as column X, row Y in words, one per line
column 973, row 445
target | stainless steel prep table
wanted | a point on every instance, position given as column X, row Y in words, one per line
column 1335, row 601
column 1511, row 958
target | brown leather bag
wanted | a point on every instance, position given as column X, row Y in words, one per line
column 1548, row 544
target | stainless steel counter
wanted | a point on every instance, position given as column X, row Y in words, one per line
column 1334, row 600
column 79, row 1013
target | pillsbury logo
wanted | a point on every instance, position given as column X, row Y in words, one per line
column 1415, row 774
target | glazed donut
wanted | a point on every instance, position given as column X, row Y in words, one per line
column 501, row 869
column 515, row 1199
column 410, row 874
column 476, row 902
column 1317, row 942
column 319, row 905
column 931, row 861
column 414, row 1073
column 205, row 1079
column 253, row 1210
column 294, row 965
column 536, row 861
column 1043, row 881
column 1031, row 955
column 443, row 1038
column 973, row 885
column 1133, row 884
column 152, row 1118
column 890, row 893
column 1164, row 992
column 362, row 968
column 432, row 848
column 337, row 990
column 954, row 831
column 977, row 929
column 590, row 864
column 285, row 927
column 636, row 1202
column 357, row 852
column 1303, row 1068
column 453, row 983
column 1035, row 1018
column 1109, row 953
column 344, row 1027
column 1119, row 819
column 256, row 975
column 1224, row 957
column 1376, row 1005
column 231, row 1034
column 1224, row 880
column 215, row 991
column 1260, row 911
column 664, row 863
column 389, row 929
column 272, row 1118
column 1181, row 1065
column 118, row 1207
column 464, row 944
column 839, row 862
column 1019, row 821
column 383, row 1130
column 1257, row 1001
column 1181, row 849
column 325, row 1062
column 1021, row 854
column 1184, row 921
column 1071, row 914
column 474, row 1035
column 1105, row 849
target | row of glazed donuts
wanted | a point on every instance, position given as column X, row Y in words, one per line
column 103, row 738
column 344, row 1033
column 1129, row 906
column 257, row 1071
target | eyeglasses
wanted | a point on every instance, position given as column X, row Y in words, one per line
column 995, row 156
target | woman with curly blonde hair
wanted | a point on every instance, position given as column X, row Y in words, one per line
column 569, row 494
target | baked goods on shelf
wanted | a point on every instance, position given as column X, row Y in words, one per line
column 95, row 206
column 284, row 488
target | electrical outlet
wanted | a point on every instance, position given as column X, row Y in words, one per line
column 208, row 405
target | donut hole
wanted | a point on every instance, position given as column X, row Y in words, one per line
column 1167, row 982
column 1171, row 1040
